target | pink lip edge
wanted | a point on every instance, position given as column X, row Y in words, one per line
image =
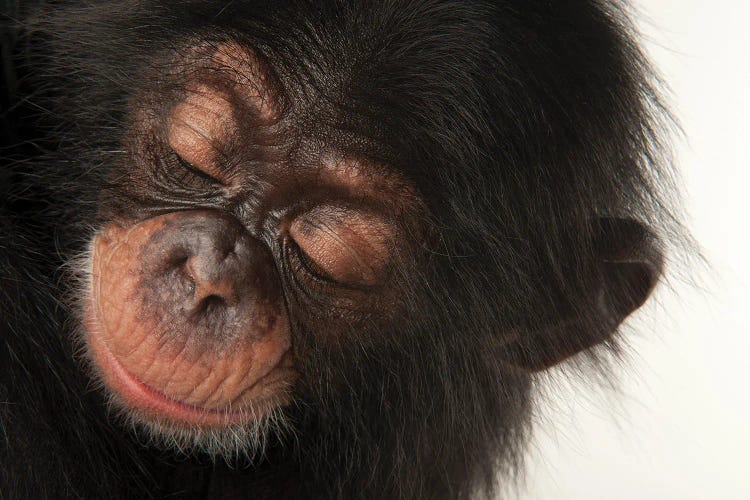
column 154, row 402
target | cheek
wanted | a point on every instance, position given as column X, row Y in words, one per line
column 115, row 287
column 184, row 306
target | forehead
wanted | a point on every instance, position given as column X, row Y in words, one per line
column 229, row 107
column 225, row 76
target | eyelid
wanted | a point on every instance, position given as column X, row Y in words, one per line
column 311, row 266
column 348, row 250
column 195, row 170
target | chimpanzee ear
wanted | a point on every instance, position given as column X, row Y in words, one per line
column 627, row 265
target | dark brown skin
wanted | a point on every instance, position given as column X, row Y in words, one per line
column 186, row 321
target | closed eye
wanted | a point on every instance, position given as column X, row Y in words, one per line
column 346, row 247
column 307, row 264
column 195, row 171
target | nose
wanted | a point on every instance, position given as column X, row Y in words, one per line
column 214, row 273
column 216, row 277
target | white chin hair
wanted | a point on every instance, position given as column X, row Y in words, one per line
column 246, row 441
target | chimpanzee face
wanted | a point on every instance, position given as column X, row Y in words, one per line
column 296, row 229
column 238, row 235
column 327, row 242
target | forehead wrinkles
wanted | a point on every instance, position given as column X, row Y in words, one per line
column 225, row 88
column 231, row 71
column 240, row 71
column 221, row 78
column 204, row 113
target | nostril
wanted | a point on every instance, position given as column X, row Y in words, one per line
column 211, row 302
column 214, row 291
column 210, row 306
column 176, row 261
column 229, row 253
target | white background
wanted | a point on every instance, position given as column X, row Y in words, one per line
column 678, row 426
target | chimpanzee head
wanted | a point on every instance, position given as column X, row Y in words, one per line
column 366, row 224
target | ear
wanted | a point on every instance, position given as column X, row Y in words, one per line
column 627, row 265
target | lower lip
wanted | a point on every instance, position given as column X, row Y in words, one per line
column 147, row 399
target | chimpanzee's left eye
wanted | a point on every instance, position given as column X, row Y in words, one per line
column 301, row 261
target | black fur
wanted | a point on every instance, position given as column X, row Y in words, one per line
column 530, row 128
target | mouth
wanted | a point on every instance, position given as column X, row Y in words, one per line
column 154, row 404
